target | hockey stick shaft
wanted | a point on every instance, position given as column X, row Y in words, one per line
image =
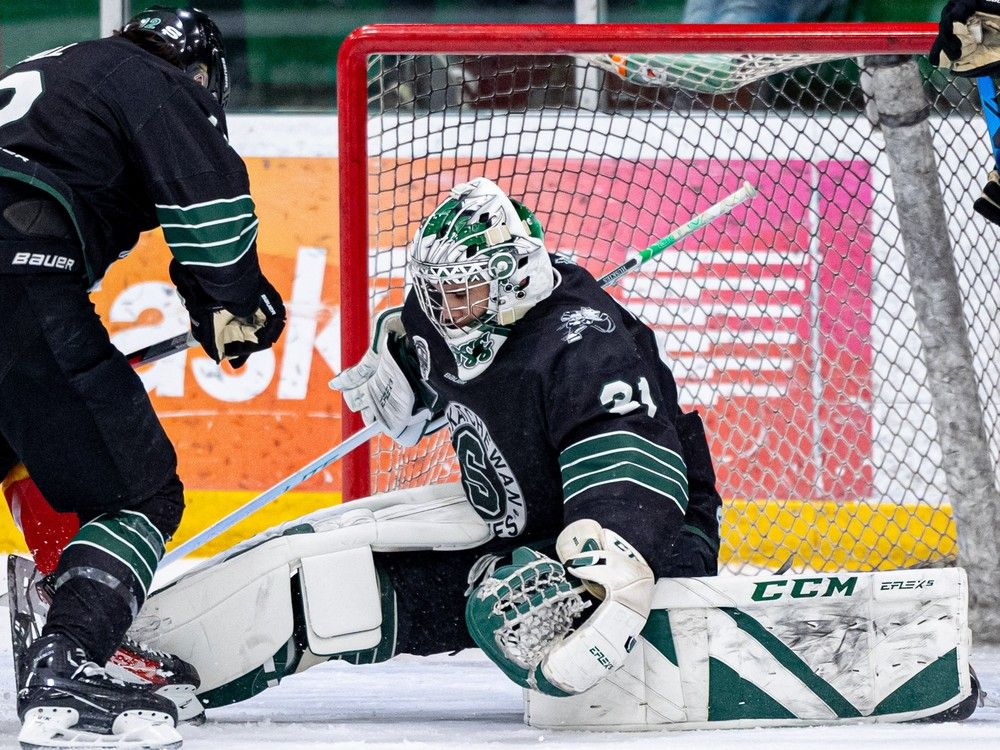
column 991, row 113
column 161, row 349
column 707, row 216
column 292, row 480
column 362, row 436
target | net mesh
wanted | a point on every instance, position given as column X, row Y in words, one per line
column 789, row 324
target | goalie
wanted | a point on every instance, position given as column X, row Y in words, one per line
column 563, row 417
column 582, row 483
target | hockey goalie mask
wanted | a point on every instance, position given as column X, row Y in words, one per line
column 478, row 264
column 189, row 39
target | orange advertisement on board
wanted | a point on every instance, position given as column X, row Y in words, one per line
column 246, row 429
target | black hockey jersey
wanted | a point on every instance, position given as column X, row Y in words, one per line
column 577, row 417
column 126, row 142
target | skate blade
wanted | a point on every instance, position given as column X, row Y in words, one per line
column 51, row 728
column 189, row 708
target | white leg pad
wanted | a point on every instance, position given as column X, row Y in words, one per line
column 784, row 651
column 196, row 616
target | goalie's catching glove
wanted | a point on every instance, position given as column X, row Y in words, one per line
column 968, row 36
column 228, row 332
column 523, row 616
column 380, row 390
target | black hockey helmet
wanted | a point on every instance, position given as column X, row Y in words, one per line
column 186, row 37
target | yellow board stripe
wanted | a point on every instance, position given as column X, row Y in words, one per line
column 757, row 534
column 830, row 536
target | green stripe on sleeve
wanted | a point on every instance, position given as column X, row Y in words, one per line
column 624, row 457
column 199, row 213
column 215, row 233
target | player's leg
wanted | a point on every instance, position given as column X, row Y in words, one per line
column 31, row 581
column 78, row 417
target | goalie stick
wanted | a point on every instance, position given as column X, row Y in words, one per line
column 336, row 453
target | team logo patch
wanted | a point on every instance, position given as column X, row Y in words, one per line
column 423, row 356
column 575, row 322
column 489, row 483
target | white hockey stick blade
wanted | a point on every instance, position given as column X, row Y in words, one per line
column 51, row 728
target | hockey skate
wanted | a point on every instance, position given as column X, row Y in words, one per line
column 67, row 701
column 134, row 663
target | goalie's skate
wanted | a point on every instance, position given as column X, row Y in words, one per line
column 69, row 702
column 135, row 663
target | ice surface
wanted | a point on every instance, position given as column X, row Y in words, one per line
column 462, row 701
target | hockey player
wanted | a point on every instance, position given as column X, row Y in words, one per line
column 570, row 441
column 100, row 141
column 968, row 43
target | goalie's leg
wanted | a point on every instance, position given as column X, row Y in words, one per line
column 314, row 590
column 421, row 599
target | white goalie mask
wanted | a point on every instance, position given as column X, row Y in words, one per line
column 478, row 265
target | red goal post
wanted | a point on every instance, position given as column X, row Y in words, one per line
column 793, row 325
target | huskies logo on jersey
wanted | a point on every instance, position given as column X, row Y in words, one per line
column 423, row 356
column 575, row 322
column 489, row 484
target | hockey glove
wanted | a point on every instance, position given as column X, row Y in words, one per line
column 988, row 204
column 523, row 617
column 969, row 36
column 615, row 573
column 380, row 390
column 520, row 612
column 225, row 333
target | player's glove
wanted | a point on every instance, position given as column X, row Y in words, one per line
column 523, row 616
column 225, row 332
column 967, row 37
column 380, row 390
column 988, row 204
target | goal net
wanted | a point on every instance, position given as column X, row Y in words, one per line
column 791, row 324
